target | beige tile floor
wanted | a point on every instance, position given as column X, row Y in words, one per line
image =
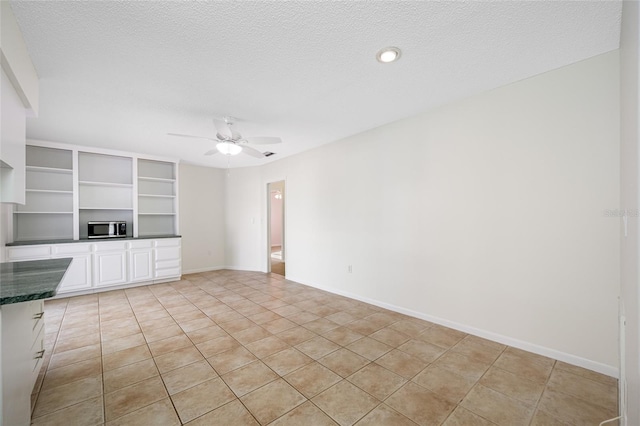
column 244, row 348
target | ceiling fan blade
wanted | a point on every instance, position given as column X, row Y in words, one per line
column 212, row 152
column 263, row 140
column 190, row 136
column 252, row 151
column 222, row 129
column 235, row 135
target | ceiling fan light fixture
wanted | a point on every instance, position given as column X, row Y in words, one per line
column 388, row 54
column 229, row 148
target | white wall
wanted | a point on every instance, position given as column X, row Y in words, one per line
column 202, row 218
column 245, row 242
column 486, row 214
column 16, row 61
column 630, row 132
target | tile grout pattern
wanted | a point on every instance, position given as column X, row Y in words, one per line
column 247, row 348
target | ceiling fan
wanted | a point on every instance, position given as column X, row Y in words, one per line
column 231, row 142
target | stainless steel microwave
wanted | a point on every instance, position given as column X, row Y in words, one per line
column 107, row 229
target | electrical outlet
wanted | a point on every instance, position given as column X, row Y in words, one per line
column 349, row 269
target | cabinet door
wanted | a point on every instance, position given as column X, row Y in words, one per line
column 78, row 276
column 12, row 143
column 140, row 265
column 17, row 362
column 110, row 268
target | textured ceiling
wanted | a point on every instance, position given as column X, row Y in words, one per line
column 122, row 74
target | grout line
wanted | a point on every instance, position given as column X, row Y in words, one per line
column 230, row 291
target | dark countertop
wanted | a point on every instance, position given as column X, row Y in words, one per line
column 31, row 280
column 87, row 240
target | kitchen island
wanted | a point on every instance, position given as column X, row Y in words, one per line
column 23, row 288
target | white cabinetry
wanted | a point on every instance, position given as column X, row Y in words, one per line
column 78, row 276
column 141, row 261
column 105, row 190
column 102, row 264
column 13, row 122
column 22, row 357
column 68, row 186
column 110, row 264
column 48, row 211
column 156, row 198
column 167, row 257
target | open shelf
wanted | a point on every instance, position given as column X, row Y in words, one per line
column 48, row 209
column 26, row 212
column 66, row 188
column 156, row 198
column 49, row 191
column 108, row 184
column 153, row 179
column 105, row 215
column 49, row 170
column 106, row 208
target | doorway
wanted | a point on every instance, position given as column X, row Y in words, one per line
column 276, row 248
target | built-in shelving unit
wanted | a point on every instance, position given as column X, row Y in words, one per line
column 68, row 186
column 48, row 211
column 156, row 198
column 105, row 190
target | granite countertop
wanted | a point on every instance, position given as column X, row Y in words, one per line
column 31, row 280
column 87, row 240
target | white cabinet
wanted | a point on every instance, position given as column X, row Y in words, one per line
column 167, row 258
column 78, row 276
column 141, row 261
column 110, row 264
column 13, row 121
column 102, row 264
column 22, row 356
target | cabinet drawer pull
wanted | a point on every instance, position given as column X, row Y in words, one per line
column 39, row 315
column 39, row 354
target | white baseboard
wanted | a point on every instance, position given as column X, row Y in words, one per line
column 505, row 340
column 207, row 269
column 246, row 269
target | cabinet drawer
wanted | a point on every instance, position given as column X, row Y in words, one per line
column 168, row 264
column 28, row 253
column 141, row 244
column 37, row 357
column 167, row 253
column 60, row 249
column 111, row 246
column 170, row 272
column 167, row 242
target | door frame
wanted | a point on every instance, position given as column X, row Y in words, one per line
column 267, row 231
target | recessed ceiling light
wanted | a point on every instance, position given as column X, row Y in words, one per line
column 388, row 54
